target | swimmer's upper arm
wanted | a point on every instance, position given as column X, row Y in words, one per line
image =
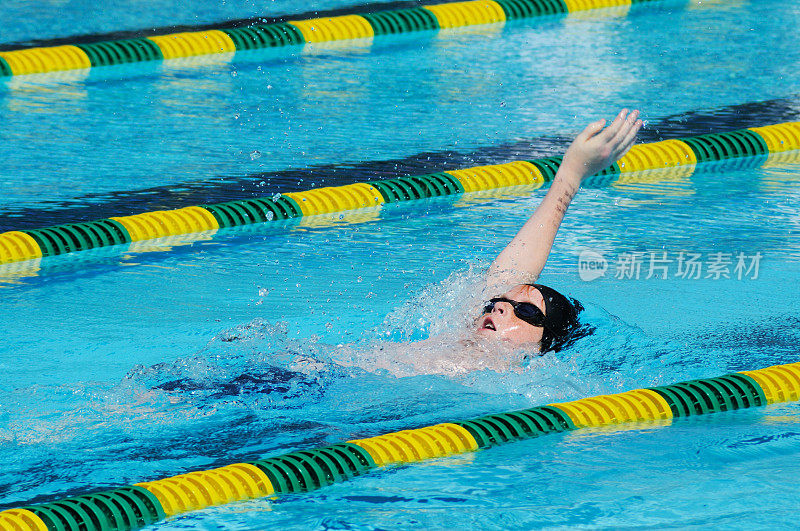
column 593, row 149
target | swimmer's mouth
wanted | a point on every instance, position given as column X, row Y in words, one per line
column 488, row 324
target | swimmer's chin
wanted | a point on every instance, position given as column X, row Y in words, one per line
column 491, row 337
column 490, row 341
column 487, row 333
column 487, row 330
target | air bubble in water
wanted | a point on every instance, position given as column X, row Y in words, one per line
column 255, row 154
column 270, row 215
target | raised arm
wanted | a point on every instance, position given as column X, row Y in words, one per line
column 592, row 150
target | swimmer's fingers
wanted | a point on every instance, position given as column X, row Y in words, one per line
column 624, row 129
column 611, row 131
column 591, row 130
column 627, row 142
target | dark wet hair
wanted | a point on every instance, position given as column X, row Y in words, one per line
column 561, row 324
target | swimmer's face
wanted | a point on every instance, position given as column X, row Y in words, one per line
column 501, row 324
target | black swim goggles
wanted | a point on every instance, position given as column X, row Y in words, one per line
column 530, row 313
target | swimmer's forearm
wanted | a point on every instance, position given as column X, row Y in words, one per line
column 525, row 256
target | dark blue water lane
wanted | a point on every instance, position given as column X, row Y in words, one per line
column 218, row 189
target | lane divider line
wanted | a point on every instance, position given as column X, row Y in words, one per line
column 294, row 32
column 751, row 146
column 146, row 503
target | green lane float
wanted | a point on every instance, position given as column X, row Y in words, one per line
column 247, row 211
column 312, row 469
column 5, row 69
column 515, row 9
column 264, row 36
column 517, row 425
column 401, row 21
column 123, row 508
column 122, row 51
column 294, row 32
column 417, row 187
column 135, row 506
column 79, row 236
column 721, row 146
column 752, row 146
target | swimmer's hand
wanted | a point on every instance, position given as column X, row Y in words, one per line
column 595, row 148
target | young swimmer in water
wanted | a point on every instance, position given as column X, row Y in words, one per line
column 533, row 314
column 527, row 317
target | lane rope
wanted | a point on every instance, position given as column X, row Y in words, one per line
column 752, row 147
column 45, row 59
column 134, row 506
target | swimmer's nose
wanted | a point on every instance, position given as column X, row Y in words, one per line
column 501, row 307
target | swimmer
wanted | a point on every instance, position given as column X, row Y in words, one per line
column 530, row 314
column 521, row 315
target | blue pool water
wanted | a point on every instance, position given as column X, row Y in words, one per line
column 208, row 119
column 136, row 363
